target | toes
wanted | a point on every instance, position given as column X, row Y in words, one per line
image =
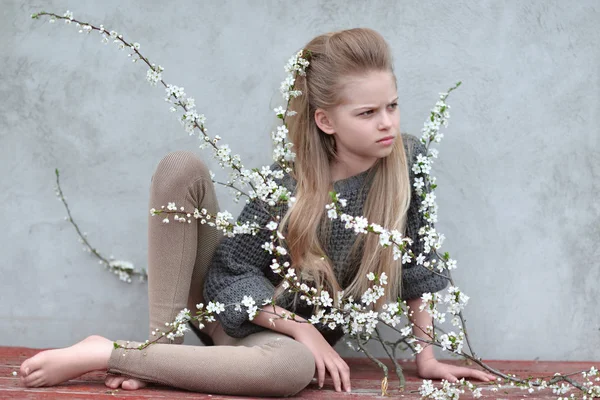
column 25, row 368
column 114, row 382
column 133, row 384
column 32, row 364
column 34, row 379
column 38, row 382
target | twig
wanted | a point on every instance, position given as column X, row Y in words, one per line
column 392, row 356
column 379, row 363
column 119, row 270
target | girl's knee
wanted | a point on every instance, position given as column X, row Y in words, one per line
column 180, row 167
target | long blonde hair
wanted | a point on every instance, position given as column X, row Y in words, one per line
column 334, row 56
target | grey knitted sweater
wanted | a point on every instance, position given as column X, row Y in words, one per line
column 241, row 267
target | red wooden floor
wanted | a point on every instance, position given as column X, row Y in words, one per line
column 366, row 382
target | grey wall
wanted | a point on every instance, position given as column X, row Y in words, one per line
column 519, row 168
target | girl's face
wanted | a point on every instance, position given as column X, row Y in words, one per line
column 366, row 122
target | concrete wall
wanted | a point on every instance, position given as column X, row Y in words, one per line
column 519, row 168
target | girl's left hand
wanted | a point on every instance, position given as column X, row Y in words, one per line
column 433, row 369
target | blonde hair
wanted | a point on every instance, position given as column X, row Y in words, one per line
column 333, row 57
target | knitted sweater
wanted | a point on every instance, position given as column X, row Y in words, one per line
column 240, row 267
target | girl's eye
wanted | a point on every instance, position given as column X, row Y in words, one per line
column 392, row 106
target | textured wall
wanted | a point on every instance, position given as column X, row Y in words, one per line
column 519, row 167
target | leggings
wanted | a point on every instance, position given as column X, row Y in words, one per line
column 262, row 364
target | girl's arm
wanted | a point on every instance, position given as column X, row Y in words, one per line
column 427, row 365
column 416, row 280
column 326, row 358
column 239, row 268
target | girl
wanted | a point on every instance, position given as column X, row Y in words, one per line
column 346, row 137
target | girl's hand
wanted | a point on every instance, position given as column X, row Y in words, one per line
column 325, row 357
column 433, row 369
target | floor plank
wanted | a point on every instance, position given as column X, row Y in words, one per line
column 366, row 382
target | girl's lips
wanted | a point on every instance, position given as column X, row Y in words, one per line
column 386, row 140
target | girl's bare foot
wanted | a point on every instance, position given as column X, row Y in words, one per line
column 114, row 381
column 52, row 367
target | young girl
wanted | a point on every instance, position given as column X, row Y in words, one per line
column 346, row 137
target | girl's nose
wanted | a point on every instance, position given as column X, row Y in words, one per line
column 385, row 122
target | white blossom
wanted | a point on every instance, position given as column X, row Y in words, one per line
column 154, row 74
column 272, row 225
column 452, row 342
column 456, row 300
column 69, row 15
column 426, row 388
column 451, row 264
column 384, row 239
column 281, row 250
column 383, row 278
column 406, row 331
column 268, row 246
column 215, row 307
column 406, row 258
column 250, row 304
column 326, row 300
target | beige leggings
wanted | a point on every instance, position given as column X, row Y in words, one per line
column 179, row 254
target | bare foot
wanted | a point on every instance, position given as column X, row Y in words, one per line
column 114, row 381
column 52, row 367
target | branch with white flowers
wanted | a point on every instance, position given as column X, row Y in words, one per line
column 125, row 270
column 261, row 180
column 262, row 185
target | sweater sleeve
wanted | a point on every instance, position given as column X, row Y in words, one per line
column 238, row 270
column 417, row 279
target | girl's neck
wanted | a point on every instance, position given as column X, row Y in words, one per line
column 341, row 171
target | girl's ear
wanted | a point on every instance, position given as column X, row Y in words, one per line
column 324, row 122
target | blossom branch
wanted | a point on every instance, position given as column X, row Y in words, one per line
column 384, row 368
column 392, row 357
column 192, row 120
column 124, row 269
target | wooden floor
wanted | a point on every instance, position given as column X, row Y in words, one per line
column 366, row 382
